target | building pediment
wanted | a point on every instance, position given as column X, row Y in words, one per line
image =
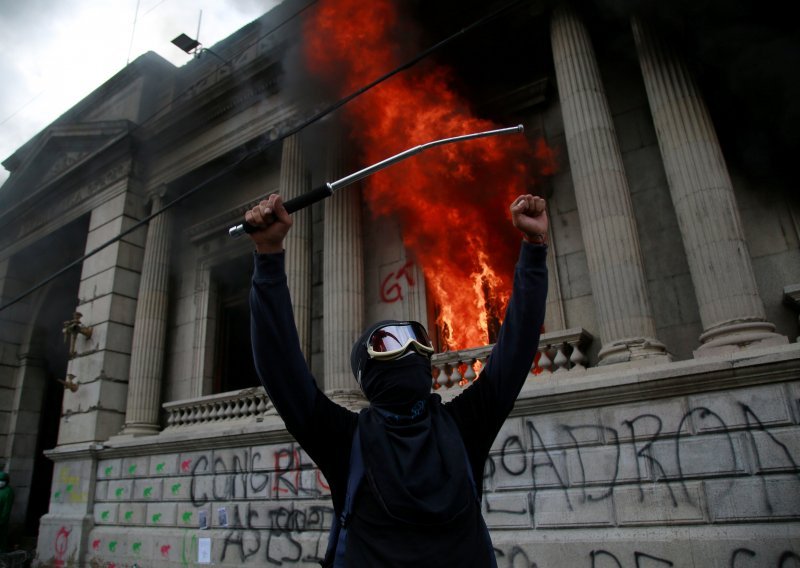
column 56, row 152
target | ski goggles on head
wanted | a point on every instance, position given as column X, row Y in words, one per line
column 392, row 341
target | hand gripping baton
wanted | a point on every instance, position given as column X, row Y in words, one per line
column 328, row 189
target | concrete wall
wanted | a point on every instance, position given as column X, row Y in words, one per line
column 692, row 465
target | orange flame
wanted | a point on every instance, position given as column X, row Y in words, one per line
column 451, row 202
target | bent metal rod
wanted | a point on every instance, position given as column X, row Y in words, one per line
column 326, row 190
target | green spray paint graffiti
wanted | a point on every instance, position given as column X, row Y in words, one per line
column 186, row 552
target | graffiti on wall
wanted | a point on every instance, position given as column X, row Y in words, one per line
column 277, row 512
column 68, row 487
column 395, row 282
column 60, row 546
column 535, row 459
column 516, row 557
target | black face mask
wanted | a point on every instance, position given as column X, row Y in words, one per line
column 398, row 385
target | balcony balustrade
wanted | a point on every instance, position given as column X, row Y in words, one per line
column 559, row 352
column 240, row 405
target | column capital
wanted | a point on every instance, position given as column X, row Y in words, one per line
column 159, row 193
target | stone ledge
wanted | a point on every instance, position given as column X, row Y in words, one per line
column 270, row 431
column 606, row 386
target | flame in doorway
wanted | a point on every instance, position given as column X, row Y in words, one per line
column 451, row 202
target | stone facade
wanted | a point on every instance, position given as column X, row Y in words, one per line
column 660, row 426
column 682, row 465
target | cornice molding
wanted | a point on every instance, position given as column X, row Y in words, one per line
column 616, row 384
column 26, row 226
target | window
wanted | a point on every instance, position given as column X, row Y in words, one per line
column 233, row 361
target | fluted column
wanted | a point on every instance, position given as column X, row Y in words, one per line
column 343, row 284
column 616, row 270
column 731, row 310
column 295, row 181
column 149, row 331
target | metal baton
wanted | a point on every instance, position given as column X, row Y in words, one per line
column 328, row 189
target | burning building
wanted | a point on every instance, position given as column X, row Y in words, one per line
column 661, row 417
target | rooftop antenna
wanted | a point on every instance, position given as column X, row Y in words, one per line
column 199, row 21
column 133, row 31
column 193, row 46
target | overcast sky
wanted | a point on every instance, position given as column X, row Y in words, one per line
column 55, row 52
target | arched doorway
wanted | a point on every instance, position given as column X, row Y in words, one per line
column 38, row 350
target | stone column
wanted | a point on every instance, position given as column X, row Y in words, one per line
column 609, row 231
column 12, row 321
column 343, row 284
column 554, row 319
column 23, row 428
column 149, row 331
column 294, row 181
column 730, row 308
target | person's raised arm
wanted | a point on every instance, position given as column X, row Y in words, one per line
column 279, row 361
column 518, row 338
column 273, row 221
column 529, row 215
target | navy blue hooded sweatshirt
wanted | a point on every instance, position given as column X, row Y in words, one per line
column 383, row 533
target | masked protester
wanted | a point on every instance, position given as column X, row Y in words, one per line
column 405, row 473
column 6, row 502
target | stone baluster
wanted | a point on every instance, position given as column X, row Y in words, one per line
column 731, row 309
column 577, row 359
column 560, row 361
column 455, row 376
column 545, row 364
column 603, row 197
column 469, row 373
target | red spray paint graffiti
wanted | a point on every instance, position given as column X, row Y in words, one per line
column 391, row 286
column 60, row 546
